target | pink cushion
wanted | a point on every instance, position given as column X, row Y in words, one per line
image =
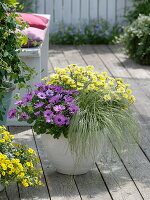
column 33, row 34
column 34, row 20
column 44, row 19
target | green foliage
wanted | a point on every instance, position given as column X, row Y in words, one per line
column 140, row 7
column 96, row 32
column 136, row 40
column 99, row 121
column 25, row 6
column 11, row 65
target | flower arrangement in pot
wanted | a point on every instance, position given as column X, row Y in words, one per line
column 74, row 111
column 11, row 65
column 17, row 162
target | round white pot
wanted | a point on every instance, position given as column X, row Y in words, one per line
column 1, row 188
column 60, row 156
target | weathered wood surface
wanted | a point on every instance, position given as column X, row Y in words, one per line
column 122, row 178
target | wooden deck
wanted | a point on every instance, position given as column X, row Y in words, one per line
column 121, row 178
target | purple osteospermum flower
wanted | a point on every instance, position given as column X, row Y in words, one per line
column 48, row 105
column 27, row 97
column 73, row 108
column 36, row 92
column 12, row 113
column 49, row 93
column 68, row 99
column 39, row 85
column 48, row 113
column 37, row 113
column 59, row 119
column 39, row 105
column 59, row 108
column 58, row 89
column 41, row 95
column 24, row 116
column 55, row 99
column 19, row 103
column 49, row 119
column 67, row 120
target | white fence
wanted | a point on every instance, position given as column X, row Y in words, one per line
column 75, row 11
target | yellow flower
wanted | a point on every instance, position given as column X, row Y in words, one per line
column 17, row 153
column 31, row 150
column 73, row 86
column 125, row 96
column 80, row 84
column 120, row 80
column 17, row 171
column 132, row 99
column 90, row 68
column 10, row 166
column 6, row 137
column 3, row 173
column 2, row 140
column 6, row 133
column 107, row 97
column 45, row 79
column 129, row 91
column 21, row 175
column 6, row 182
column 121, row 89
column 110, row 82
column 25, row 183
column 29, row 164
column 4, row 167
column 12, row 136
column 104, row 73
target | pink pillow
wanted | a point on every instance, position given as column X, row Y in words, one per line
column 34, row 20
column 34, row 34
column 44, row 19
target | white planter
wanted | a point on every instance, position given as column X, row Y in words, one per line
column 1, row 188
column 60, row 156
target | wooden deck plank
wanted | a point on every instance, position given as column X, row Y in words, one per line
column 72, row 55
column 3, row 195
column 118, row 179
column 135, row 69
column 13, row 192
column 24, row 135
column 61, row 187
column 140, row 73
column 91, row 185
column 91, row 58
column 109, row 60
column 57, row 58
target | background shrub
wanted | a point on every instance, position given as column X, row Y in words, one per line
column 136, row 39
column 26, row 6
column 96, row 32
column 140, row 7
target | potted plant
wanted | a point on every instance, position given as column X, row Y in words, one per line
column 11, row 66
column 75, row 111
column 17, row 162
